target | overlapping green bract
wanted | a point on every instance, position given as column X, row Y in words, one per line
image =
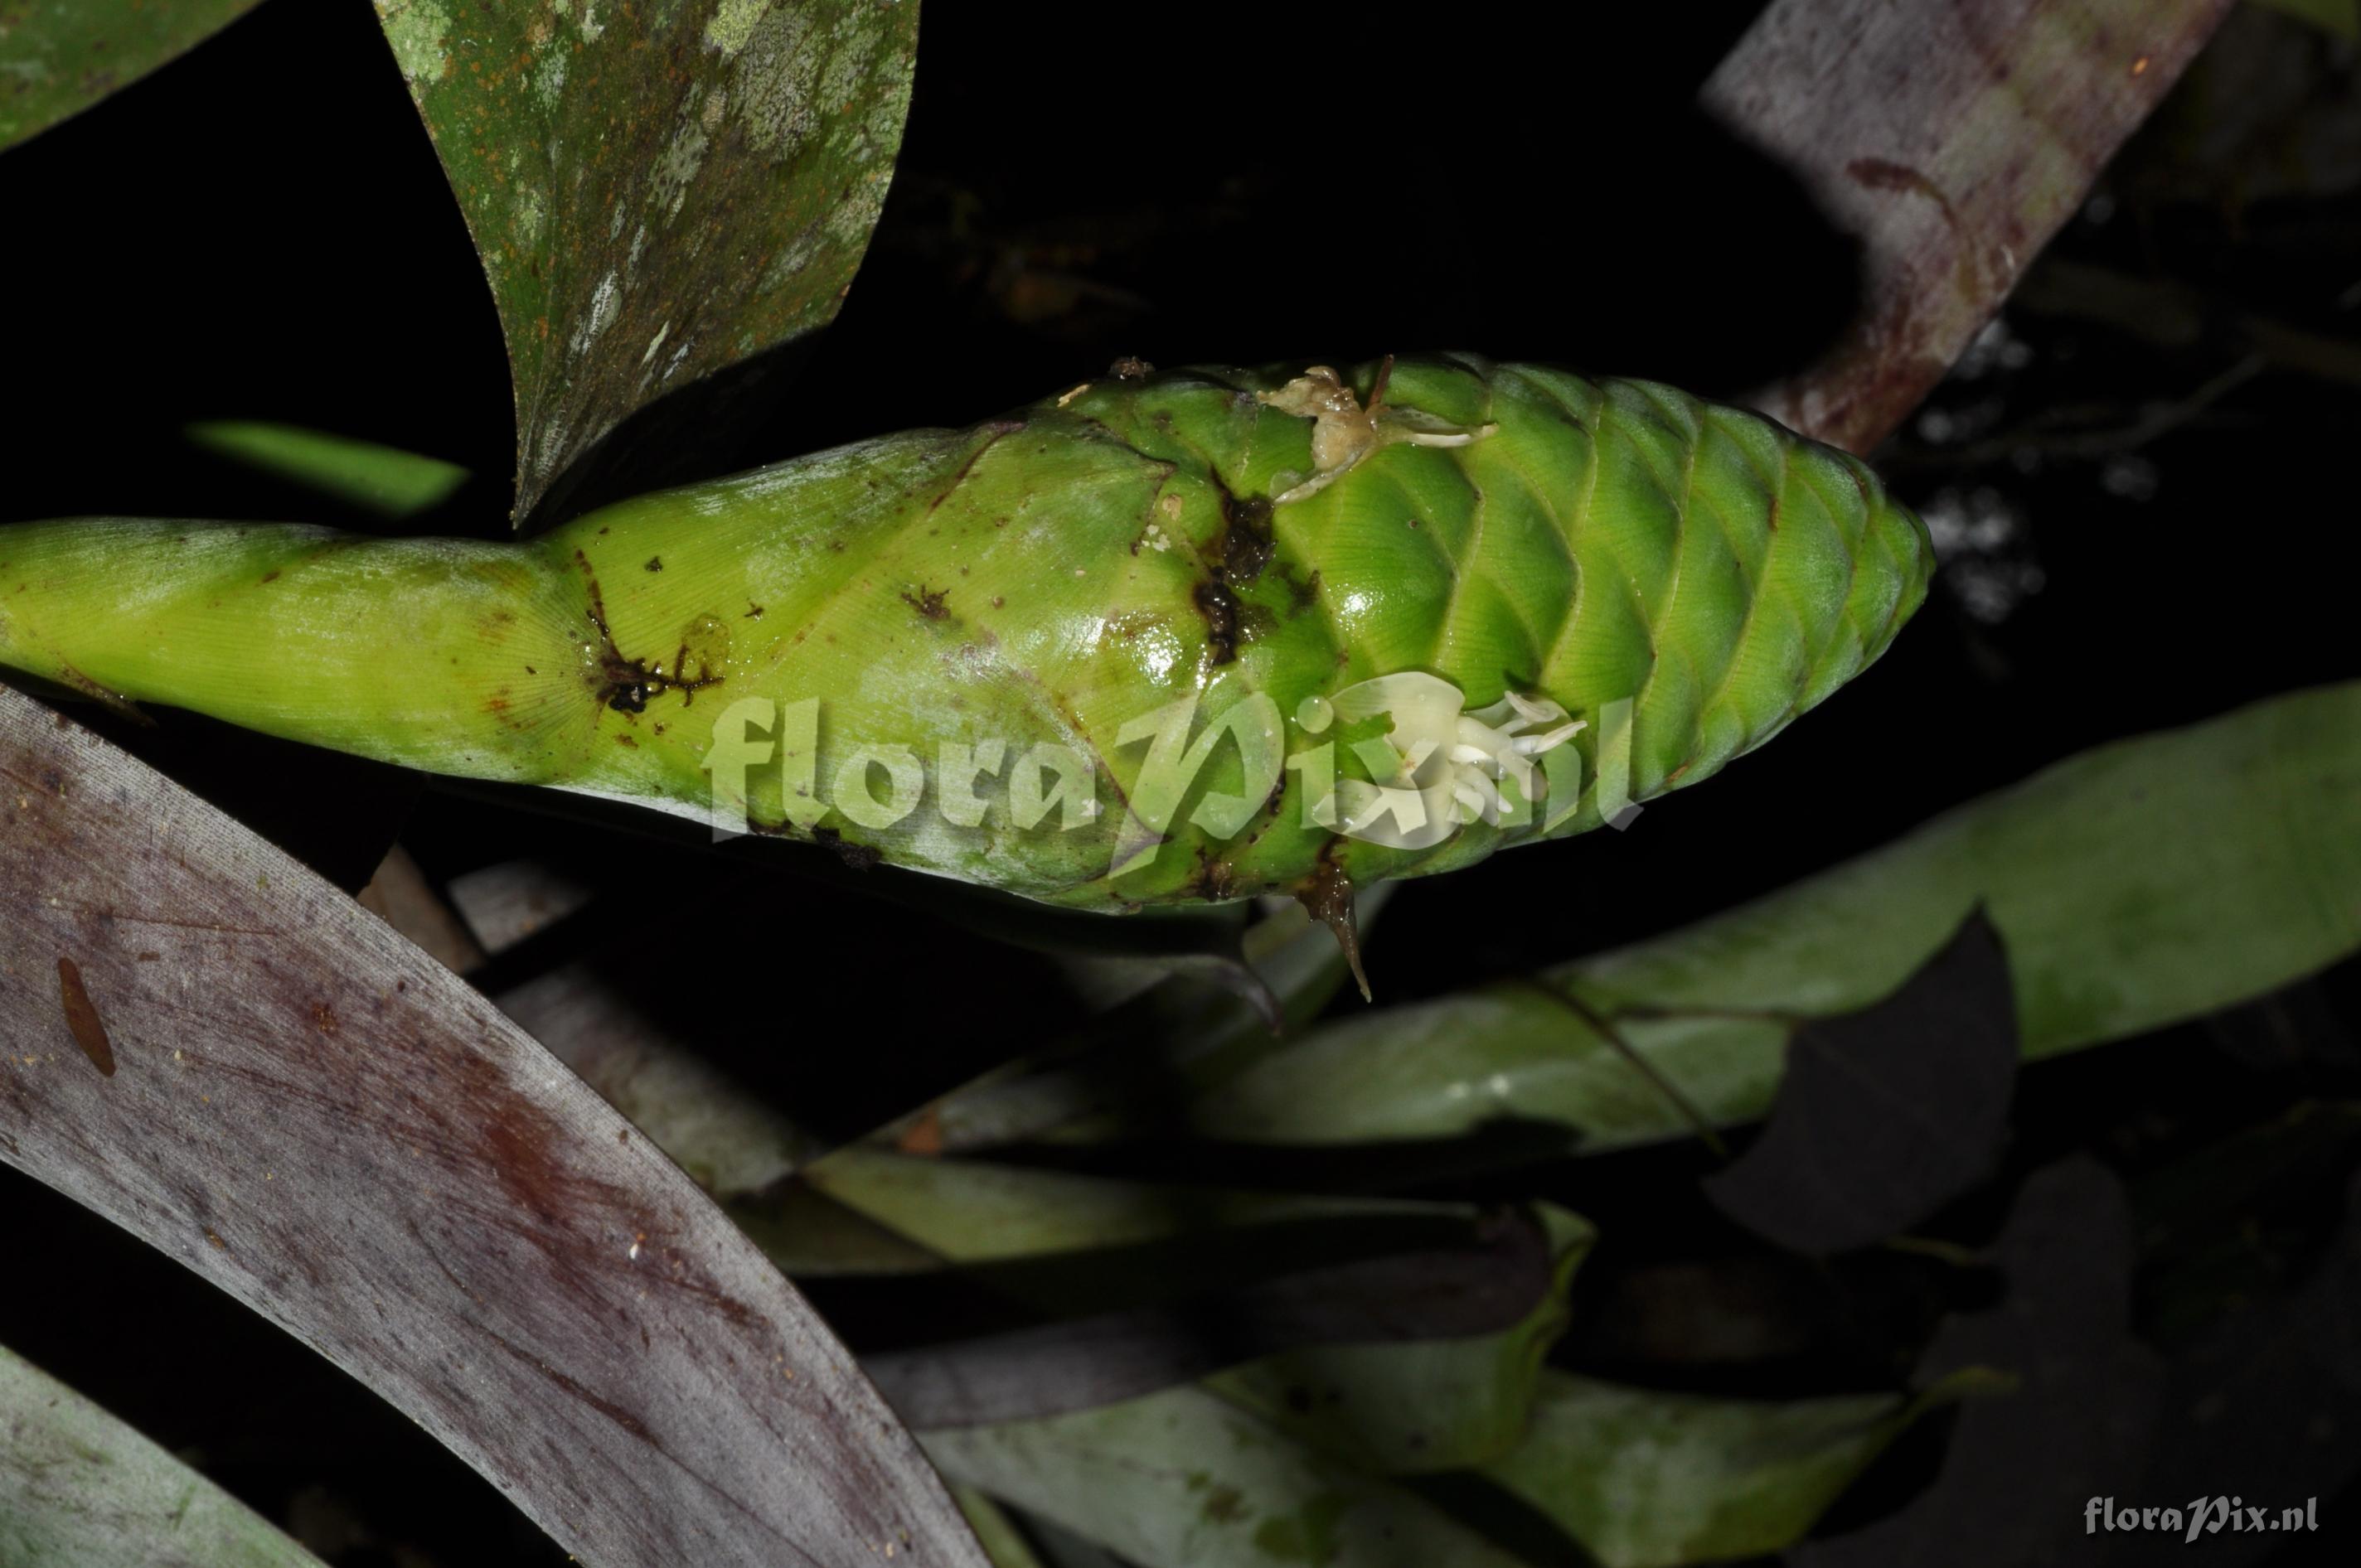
column 1146, row 573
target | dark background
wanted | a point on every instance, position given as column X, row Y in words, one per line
column 261, row 231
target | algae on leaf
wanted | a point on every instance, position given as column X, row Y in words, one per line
column 655, row 196
column 60, row 57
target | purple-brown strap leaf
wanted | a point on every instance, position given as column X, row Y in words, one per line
column 314, row 1115
column 1954, row 138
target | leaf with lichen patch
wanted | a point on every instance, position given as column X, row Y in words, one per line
column 58, row 60
column 656, row 198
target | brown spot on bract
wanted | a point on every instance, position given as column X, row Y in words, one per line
column 1246, row 541
column 1213, row 879
column 924, row 1136
column 81, row 1018
column 272, row 576
column 1240, row 554
column 324, row 1019
column 859, row 857
column 1302, row 592
column 1220, row 613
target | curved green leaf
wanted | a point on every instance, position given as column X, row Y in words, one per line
column 1423, row 1406
column 59, row 56
column 80, row 1489
column 656, row 192
column 1645, row 1479
column 969, row 1213
column 1182, row 1479
column 2106, row 939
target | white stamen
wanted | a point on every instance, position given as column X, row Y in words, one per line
column 1533, row 712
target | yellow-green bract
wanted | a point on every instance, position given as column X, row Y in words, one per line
column 1187, row 636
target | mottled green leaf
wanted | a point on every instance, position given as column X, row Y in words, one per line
column 1182, row 1479
column 1429, row 1405
column 385, row 480
column 657, row 191
column 80, row 1489
column 59, row 56
column 1645, row 1479
column 2106, row 937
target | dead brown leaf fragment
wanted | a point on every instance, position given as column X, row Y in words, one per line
column 82, row 1017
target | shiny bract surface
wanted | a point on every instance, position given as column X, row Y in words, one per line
column 1146, row 611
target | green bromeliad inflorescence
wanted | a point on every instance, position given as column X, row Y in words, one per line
column 1163, row 638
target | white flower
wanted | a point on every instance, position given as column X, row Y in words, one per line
column 1439, row 766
